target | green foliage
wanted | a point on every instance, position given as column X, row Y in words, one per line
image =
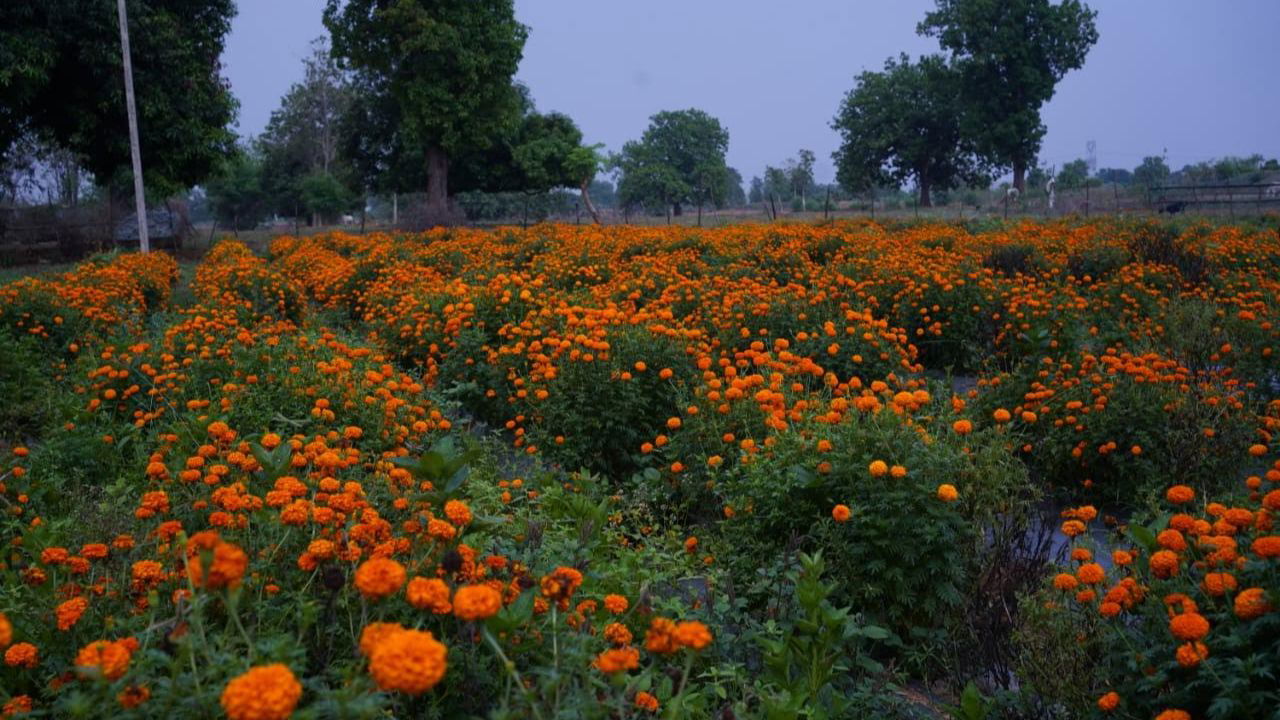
column 811, row 663
column 303, row 139
column 1010, row 54
column 26, row 386
column 906, row 558
column 61, row 68
column 679, row 160
column 1153, row 171
column 323, row 195
column 235, row 193
column 1074, row 175
column 435, row 76
column 903, row 124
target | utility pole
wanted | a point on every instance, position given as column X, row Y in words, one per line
column 139, row 192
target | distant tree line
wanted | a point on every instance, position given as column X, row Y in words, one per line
column 419, row 96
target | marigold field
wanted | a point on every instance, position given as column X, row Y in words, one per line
column 762, row 471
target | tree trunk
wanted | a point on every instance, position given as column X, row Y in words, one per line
column 1020, row 176
column 677, row 210
column 586, row 200
column 926, row 200
column 437, row 186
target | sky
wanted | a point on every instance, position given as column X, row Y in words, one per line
column 1185, row 78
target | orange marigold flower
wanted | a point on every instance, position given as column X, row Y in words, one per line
column 429, row 594
column 6, row 631
column 1091, row 574
column 1109, row 702
column 692, row 634
column 1171, row 539
column 616, row 604
column 878, row 468
column 22, row 654
column 108, row 659
column 225, row 571
column 561, row 584
column 1180, row 495
column 1189, row 626
column 616, row 660
column 476, row 602
column 266, row 692
column 841, row 513
column 1190, row 654
column 660, row 638
column 1218, row 584
column 617, row 633
column 646, row 702
column 1065, row 582
column 1001, row 415
column 948, row 493
column 1164, row 563
column 17, row 705
column 374, row 633
column 69, row 612
column 1174, row 715
column 378, row 578
column 457, row 512
column 409, row 661
column 133, row 696
column 1267, row 546
column 1251, row 604
column 962, row 427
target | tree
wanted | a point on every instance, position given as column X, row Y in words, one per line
column 1073, row 175
column 800, row 173
column 777, row 184
column 903, row 124
column 1010, row 55
column 584, row 163
column 1115, row 176
column 733, row 195
column 303, row 137
column 435, row 76
column 1152, row 172
column 61, row 77
column 1038, row 178
column 678, row 160
column 323, row 196
column 756, row 194
column 235, row 192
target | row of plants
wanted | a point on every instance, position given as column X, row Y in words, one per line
column 625, row 472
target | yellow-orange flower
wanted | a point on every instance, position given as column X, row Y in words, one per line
column 378, row 578
column 110, row 659
column 616, row 660
column 69, row 612
column 429, row 594
column 948, row 493
column 409, row 661
column 476, row 602
column 692, row 634
column 841, row 513
column 616, row 604
column 1189, row 626
column 1251, row 604
column 266, row 692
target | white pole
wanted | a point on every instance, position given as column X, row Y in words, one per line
column 139, row 193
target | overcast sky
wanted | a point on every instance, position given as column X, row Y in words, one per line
column 1196, row 78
